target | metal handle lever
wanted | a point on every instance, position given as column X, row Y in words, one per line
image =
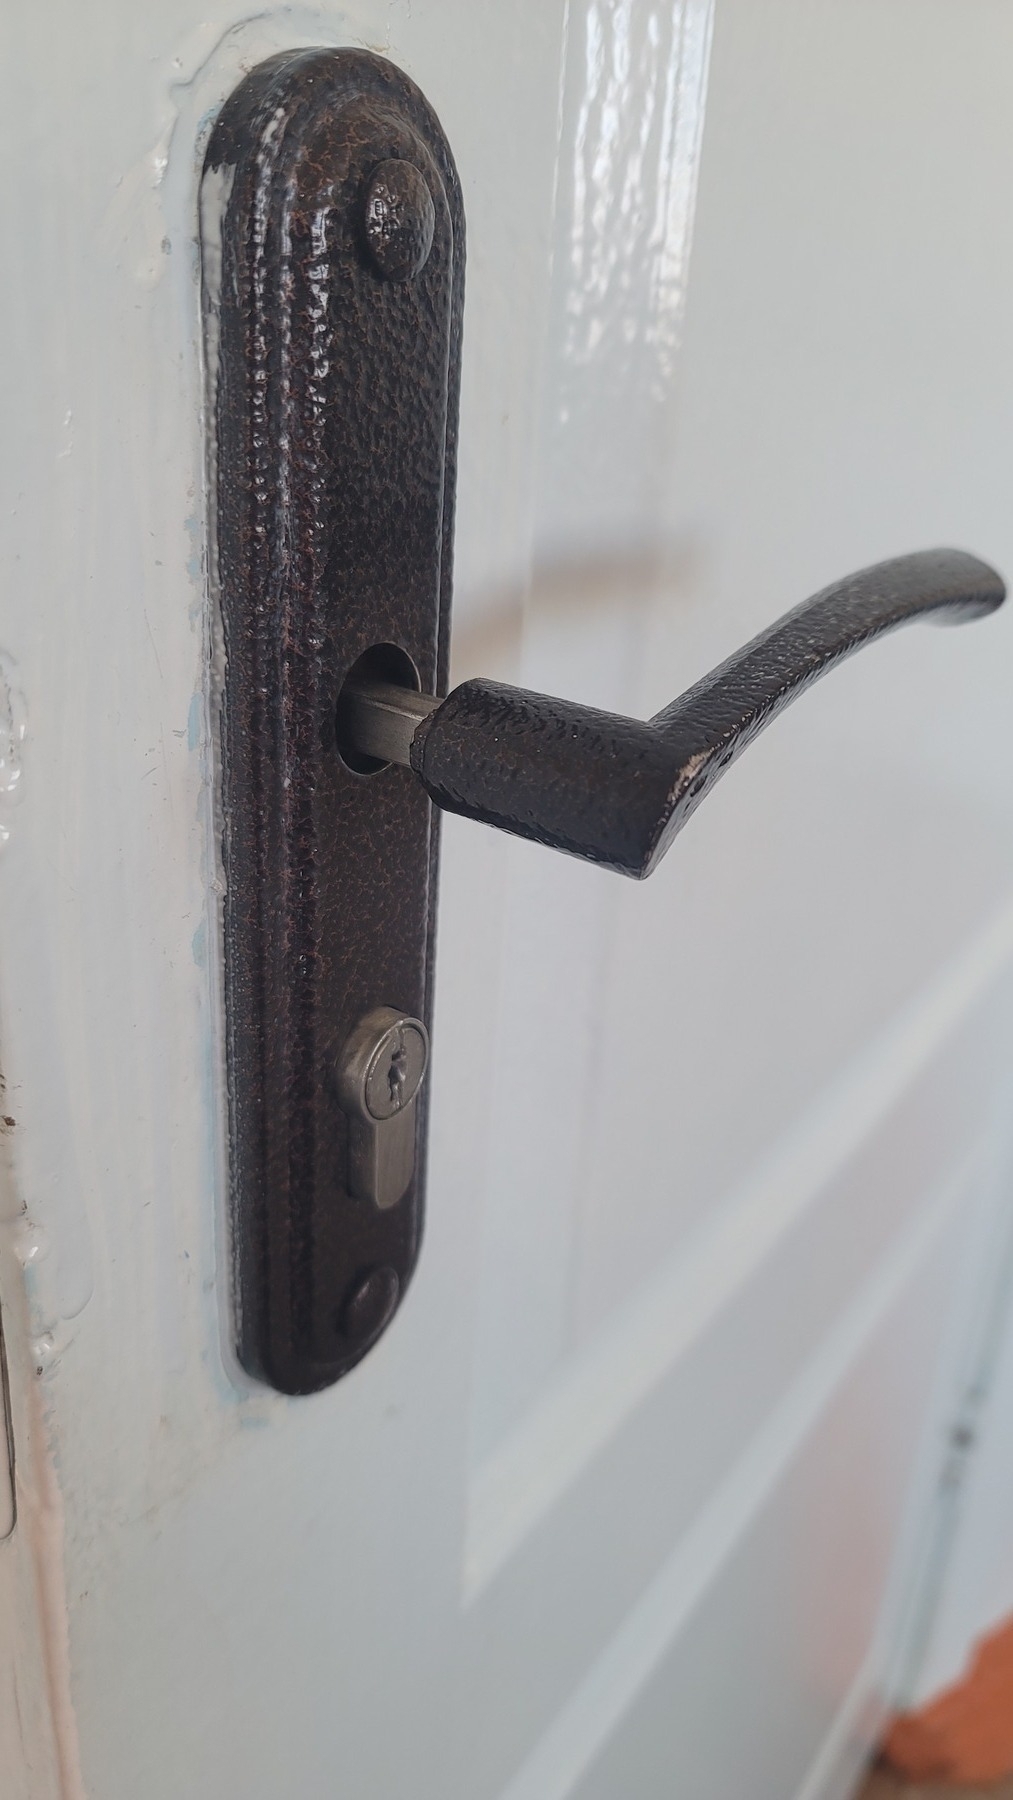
column 615, row 790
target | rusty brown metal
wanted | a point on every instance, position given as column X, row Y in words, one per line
column 333, row 259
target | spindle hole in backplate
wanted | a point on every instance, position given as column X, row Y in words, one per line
column 381, row 662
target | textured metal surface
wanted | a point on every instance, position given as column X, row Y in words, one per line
column 615, row 790
column 334, row 334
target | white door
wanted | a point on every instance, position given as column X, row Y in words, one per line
column 636, row 1496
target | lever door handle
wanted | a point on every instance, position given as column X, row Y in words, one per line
column 615, row 790
column 332, row 228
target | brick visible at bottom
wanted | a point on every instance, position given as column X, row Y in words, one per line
column 965, row 1735
column 882, row 1784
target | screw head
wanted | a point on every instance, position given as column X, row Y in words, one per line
column 400, row 219
column 370, row 1304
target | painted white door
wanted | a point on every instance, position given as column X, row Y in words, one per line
column 633, row 1498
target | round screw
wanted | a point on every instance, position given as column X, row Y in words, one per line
column 370, row 1304
column 400, row 219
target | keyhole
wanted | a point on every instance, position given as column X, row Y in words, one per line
column 397, row 1074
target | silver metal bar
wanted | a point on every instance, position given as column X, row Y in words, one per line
column 378, row 719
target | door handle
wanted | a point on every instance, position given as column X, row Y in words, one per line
column 616, row 790
column 332, row 228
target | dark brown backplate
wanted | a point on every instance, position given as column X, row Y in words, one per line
column 334, row 413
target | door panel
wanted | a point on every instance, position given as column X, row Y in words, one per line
column 633, row 1495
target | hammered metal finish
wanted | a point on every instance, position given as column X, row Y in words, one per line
column 334, row 336
column 400, row 219
column 615, row 790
